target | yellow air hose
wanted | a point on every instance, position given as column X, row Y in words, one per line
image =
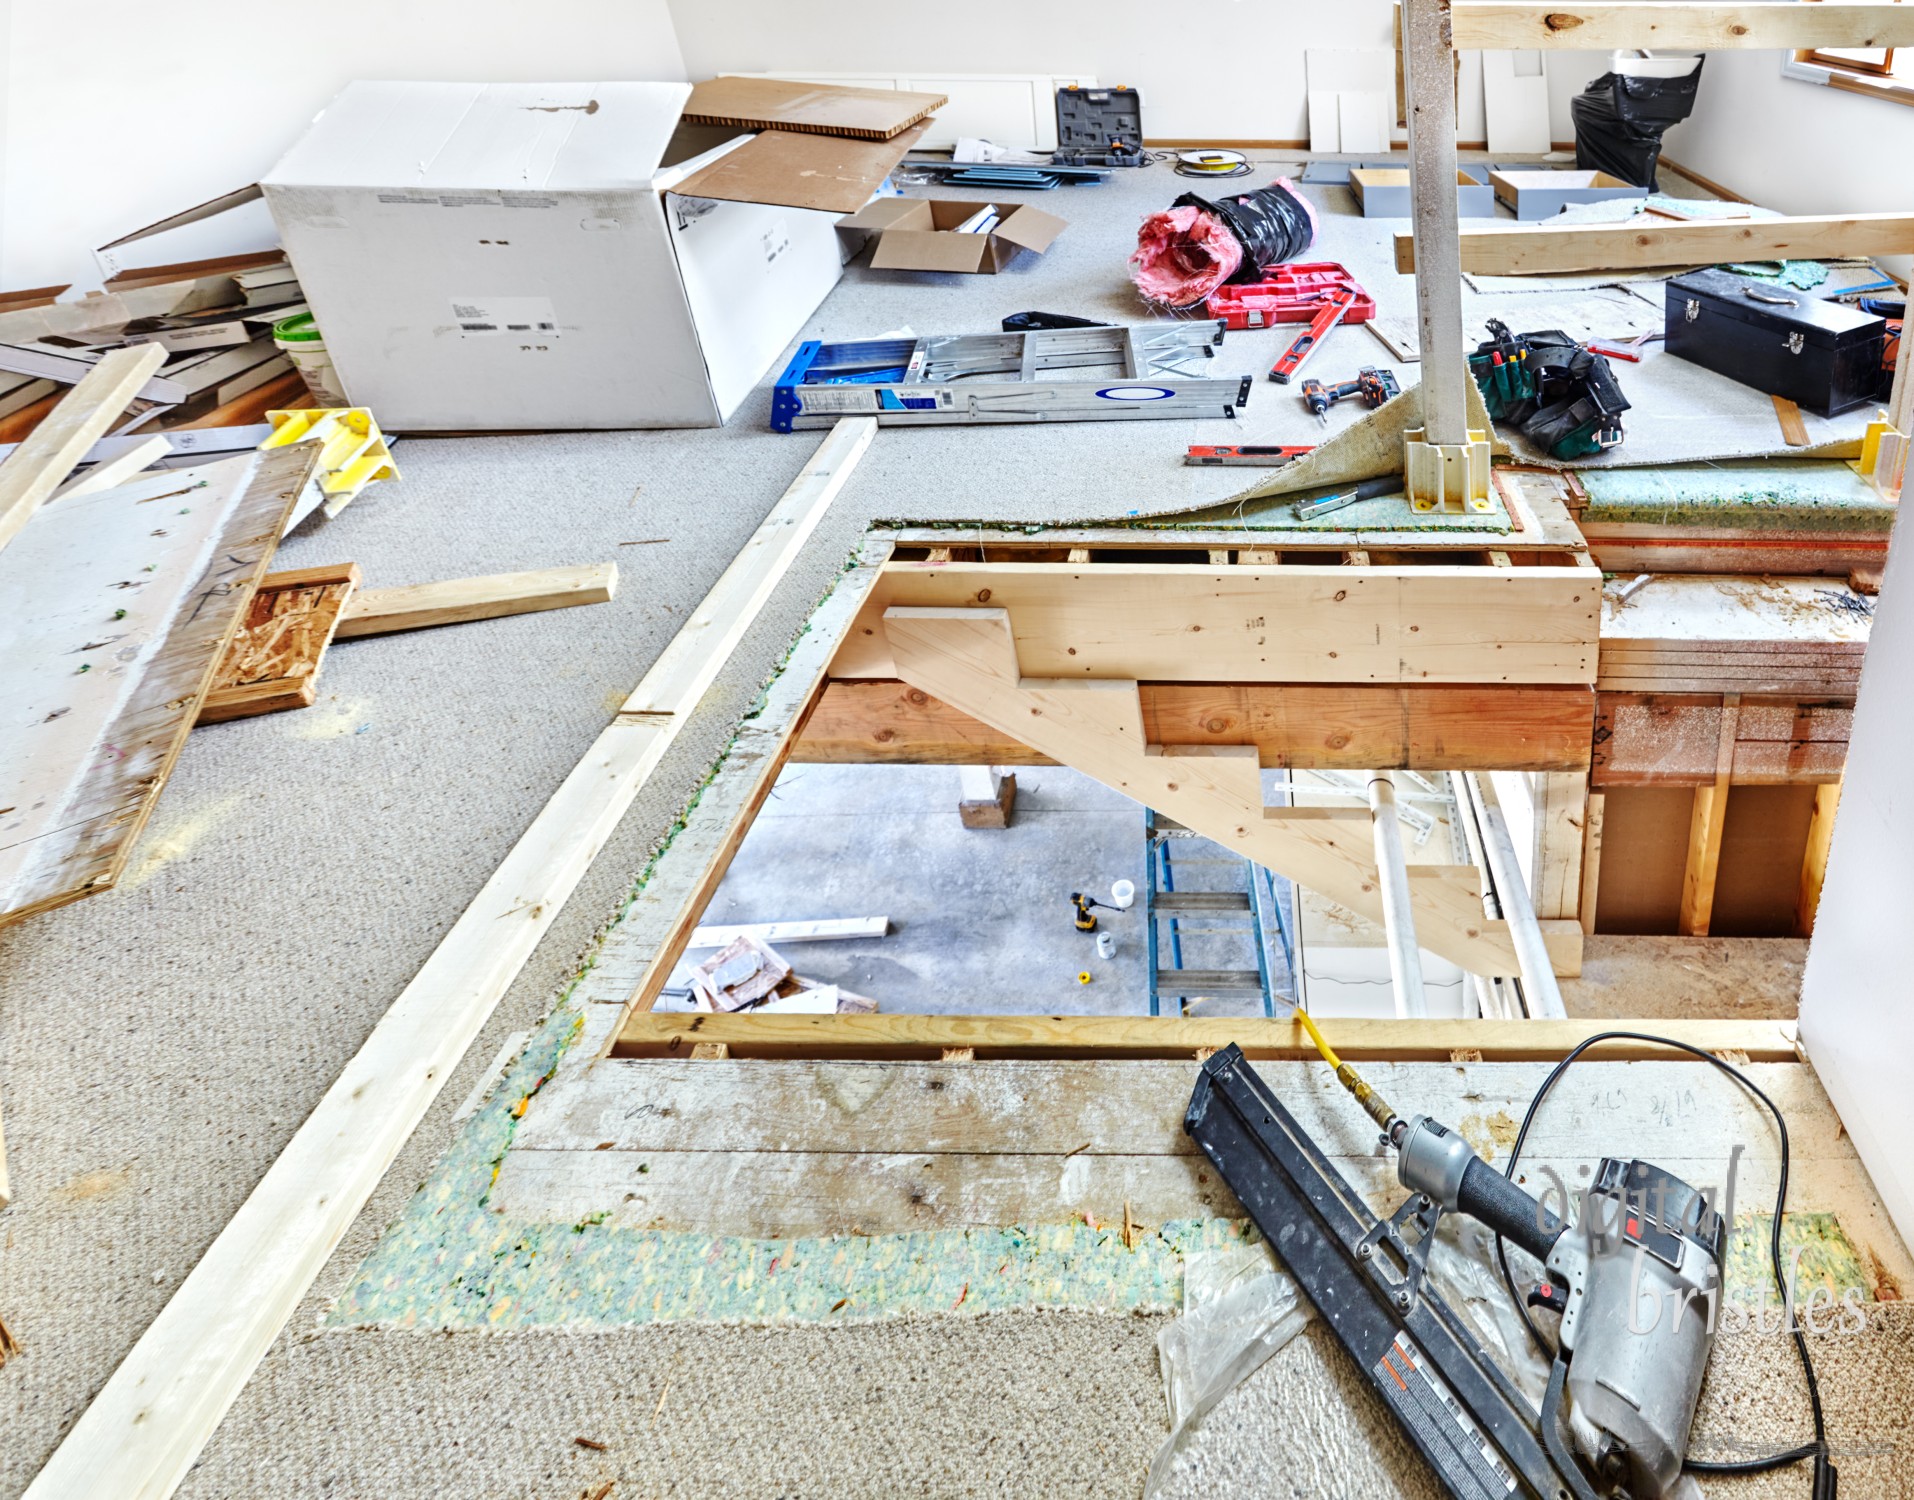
column 1374, row 1105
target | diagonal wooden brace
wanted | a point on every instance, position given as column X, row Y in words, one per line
column 967, row 658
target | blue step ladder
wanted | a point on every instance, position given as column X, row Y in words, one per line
column 1239, row 913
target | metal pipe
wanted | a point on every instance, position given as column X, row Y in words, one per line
column 1392, row 872
column 1539, row 990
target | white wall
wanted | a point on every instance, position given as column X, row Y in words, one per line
column 1234, row 71
column 1857, row 997
column 120, row 112
column 1794, row 146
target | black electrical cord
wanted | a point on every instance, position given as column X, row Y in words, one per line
column 1824, row 1473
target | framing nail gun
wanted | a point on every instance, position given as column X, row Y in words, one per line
column 1620, row 1397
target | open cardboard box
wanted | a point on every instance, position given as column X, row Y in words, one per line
column 919, row 234
column 497, row 257
column 1383, row 193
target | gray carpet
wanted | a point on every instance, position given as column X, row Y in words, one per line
column 158, row 1044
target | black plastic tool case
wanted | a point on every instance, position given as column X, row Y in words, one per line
column 1099, row 128
column 1823, row 356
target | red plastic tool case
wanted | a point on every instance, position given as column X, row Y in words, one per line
column 1292, row 294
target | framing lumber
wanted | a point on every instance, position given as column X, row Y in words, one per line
column 1428, row 70
column 456, row 600
column 1303, row 726
column 1671, row 739
column 1171, row 622
column 1591, row 861
column 1706, row 823
column 969, row 657
column 1775, row 24
column 146, row 1427
column 649, row 1034
column 1549, row 251
column 41, row 463
column 117, row 469
column 1814, row 864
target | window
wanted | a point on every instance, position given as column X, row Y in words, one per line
column 1881, row 71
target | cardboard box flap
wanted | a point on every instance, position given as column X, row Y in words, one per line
column 478, row 137
column 890, row 213
column 1031, row 228
column 821, row 108
column 213, row 206
column 824, row 172
column 929, row 250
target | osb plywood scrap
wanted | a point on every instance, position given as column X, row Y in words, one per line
column 274, row 659
column 126, row 601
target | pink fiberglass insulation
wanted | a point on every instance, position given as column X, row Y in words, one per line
column 1182, row 255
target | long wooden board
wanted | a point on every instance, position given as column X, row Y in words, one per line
column 456, row 600
column 111, row 645
column 1359, row 726
column 147, row 1425
column 1549, row 251
column 652, row 1034
column 1776, row 24
column 1185, row 623
column 40, row 465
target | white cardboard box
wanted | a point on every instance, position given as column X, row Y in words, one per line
column 514, row 256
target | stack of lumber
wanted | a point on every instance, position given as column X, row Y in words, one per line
column 212, row 320
column 1712, row 633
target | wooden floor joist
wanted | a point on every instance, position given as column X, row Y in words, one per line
column 1546, row 250
column 1304, row 726
column 147, row 1425
column 1173, row 622
column 650, row 1034
column 1495, row 25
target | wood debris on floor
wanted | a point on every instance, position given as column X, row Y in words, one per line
column 747, row 974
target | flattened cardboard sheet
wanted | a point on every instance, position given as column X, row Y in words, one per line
column 809, row 108
column 802, row 171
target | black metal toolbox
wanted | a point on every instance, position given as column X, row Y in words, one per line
column 1823, row 356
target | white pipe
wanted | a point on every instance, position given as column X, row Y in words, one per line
column 1543, row 995
column 1392, row 872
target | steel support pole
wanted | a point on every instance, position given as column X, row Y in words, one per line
column 1392, row 871
column 1428, row 61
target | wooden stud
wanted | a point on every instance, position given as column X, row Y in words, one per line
column 1078, row 555
column 147, row 1425
column 455, row 600
column 1500, row 560
column 959, row 1054
column 1776, row 25
column 1591, row 861
column 1572, row 248
column 1258, row 557
column 1707, row 819
column 113, row 471
column 709, row 1051
column 1355, row 557
column 1560, row 804
column 1814, row 863
column 898, row 1035
column 1429, row 63
column 35, row 469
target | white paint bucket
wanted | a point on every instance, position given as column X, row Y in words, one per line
column 298, row 338
column 1122, row 894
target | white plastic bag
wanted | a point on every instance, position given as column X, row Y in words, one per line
column 1237, row 1311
